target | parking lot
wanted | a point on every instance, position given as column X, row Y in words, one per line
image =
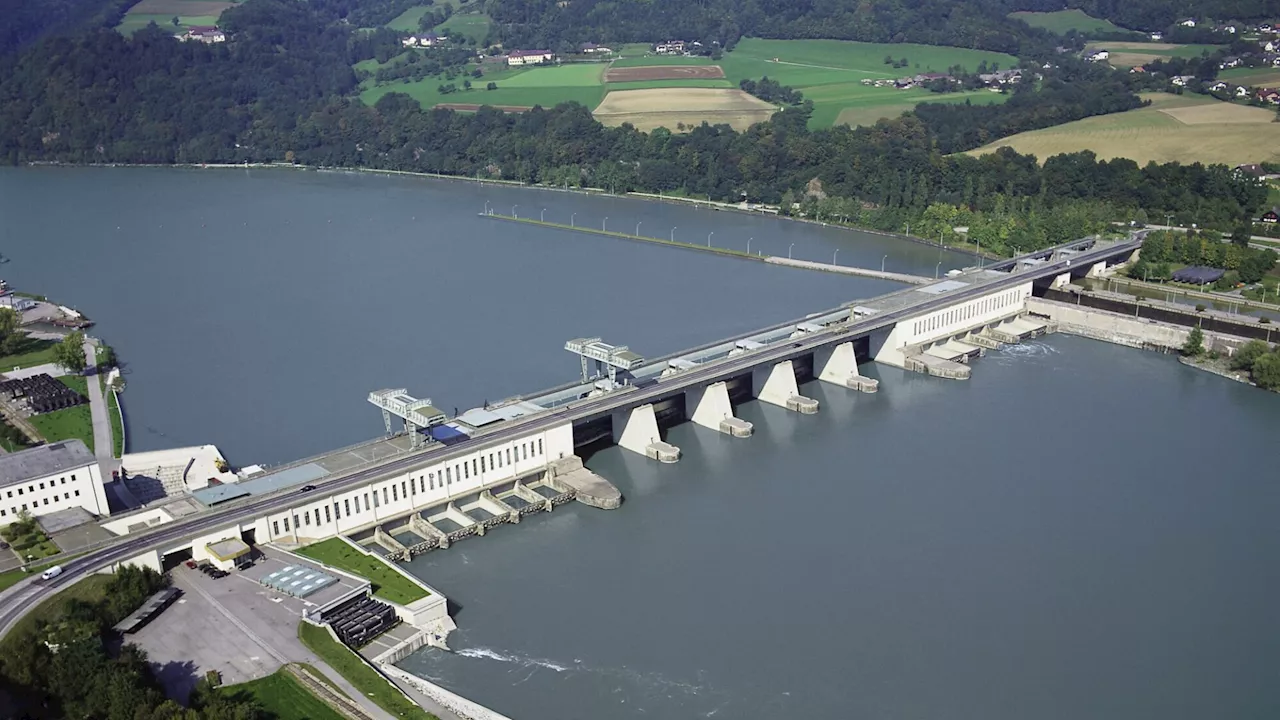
column 232, row 625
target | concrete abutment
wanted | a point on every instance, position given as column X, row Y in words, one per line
column 777, row 385
column 712, row 409
column 637, row 431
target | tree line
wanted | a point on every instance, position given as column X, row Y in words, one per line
column 1164, row 248
column 771, row 91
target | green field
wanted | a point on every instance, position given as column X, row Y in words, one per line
column 91, row 590
column 1174, row 128
column 1129, row 54
column 387, row 583
column 407, row 21
column 473, row 25
column 829, row 72
column 357, row 672
column 1252, row 77
column 30, row 354
column 1062, row 21
column 135, row 22
column 283, row 697
column 73, row 422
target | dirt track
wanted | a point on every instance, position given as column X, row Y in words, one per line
column 664, row 72
column 468, row 107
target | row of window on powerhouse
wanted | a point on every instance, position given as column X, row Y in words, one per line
column 966, row 312
column 44, row 502
column 392, row 493
column 31, row 489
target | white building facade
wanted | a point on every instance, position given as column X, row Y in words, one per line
column 49, row 478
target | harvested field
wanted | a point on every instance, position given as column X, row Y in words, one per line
column 470, row 107
column 180, row 7
column 1173, row 129
column 663, row 72
column 689, row 107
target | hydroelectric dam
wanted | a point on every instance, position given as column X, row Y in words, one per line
column 443, row 478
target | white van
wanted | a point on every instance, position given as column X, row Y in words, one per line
column 51, row 573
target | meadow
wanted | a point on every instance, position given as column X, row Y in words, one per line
column 829, row 72
column 1174, row 128
column 190, row 13
column 473, row 25
column 1125, row 54
column 407, row 21
column 1063, row 21
column 1252, row 77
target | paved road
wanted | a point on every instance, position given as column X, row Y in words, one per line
column 102, row 442
column 15, row 601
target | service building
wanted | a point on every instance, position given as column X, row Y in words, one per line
column 49, row 478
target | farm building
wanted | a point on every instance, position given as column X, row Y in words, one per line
column 670, row 47
column 517, row 58
column 428, row 40
column 205, row 34
column 1271, row 216
column 593, row 49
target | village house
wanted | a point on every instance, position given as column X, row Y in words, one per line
column 930, row 77
column 1099, row 55
column 1269, row 95
column 1242, row 91
column 1182, row 80
column 1270, row 216
column 1189, row 22
column 1157, row 36
column 1229, row 61
column 517, row 58
column 670, row 47
column 593, row 49
column 1137, row 69
column 1001, row 77
column 1218, row 86
column 428, row 40
column 205, row 34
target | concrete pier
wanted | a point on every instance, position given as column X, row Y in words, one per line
column 392, row 545
column 937, row 367
column 776, row 385
column 839, row 365
column 589, row 488
column 637, row 431
column 422, row 527
column 711, row 409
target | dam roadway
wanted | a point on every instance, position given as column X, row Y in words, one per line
column 1050, row 264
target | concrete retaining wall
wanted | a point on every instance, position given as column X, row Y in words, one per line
column 1111, row 327
column 461, row 706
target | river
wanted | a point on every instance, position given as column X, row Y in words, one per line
column 1081, row 530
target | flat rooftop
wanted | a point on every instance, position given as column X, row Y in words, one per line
column 43, row 461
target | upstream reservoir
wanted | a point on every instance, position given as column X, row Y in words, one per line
column 1081, row 530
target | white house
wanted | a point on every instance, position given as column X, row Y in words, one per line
column 205, row 34
column 428, row 40
column 1242, row 91
column 1189, row 22
column 1218, row 86
column 49, row 478
column 1099, row 56
column 1182, row 80
column 529, row 57
column 670, row 47
column 1271, row 46
column 594, row 49
column 1157, row 36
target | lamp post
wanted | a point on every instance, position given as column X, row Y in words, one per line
column 886, row 257
column 713, row 232
column 604, row 224
column 486, row 207
column 936, row 269
column 833, row 256
column 1168, row 219
column 572, row 218
column 749, row 245
column 513, row 212
column 638, row 228
column 789, row 250
column 543, row 216
column 673, row 234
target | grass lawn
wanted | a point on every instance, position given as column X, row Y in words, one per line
column 1061, row 21
column 1175, row 128
column 91, row 589
column 576, row 75
column 472, row 25
column 407, row 21
column 73, row 422
column 425, row 92
column 117, row 425
column 32, row 353
column 79, row 383
column 367, row 680
column 39, row 546
column 284, row 698
column 387, row 583
column 871, row 110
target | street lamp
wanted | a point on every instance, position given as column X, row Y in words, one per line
column 638, row 228
column 604, row 225
column 486, row 207
column 789, row 250
column 543, row 216
column 886, row 257
column 937, row 268
column 513, row 212
column 749, row 245
column 713, row 232
column 572, row 218
column 833, row 256
column 673, row 234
